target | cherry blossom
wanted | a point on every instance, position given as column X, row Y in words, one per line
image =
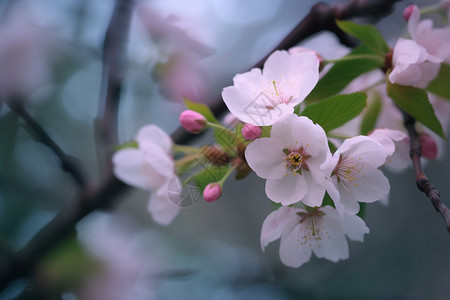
column 396, row 144
column 436, row 41
column 290, row 161
column 150, row 167
column 261, row 98
column 354, row 174
column 413, row 65
column 302, row 232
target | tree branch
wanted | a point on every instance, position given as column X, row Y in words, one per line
column 422, row 181
column 68, row 163
column 114, row 60
column 322, row 17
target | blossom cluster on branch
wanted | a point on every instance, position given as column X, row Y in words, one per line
column 317, row 130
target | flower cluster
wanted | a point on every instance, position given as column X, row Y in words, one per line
column 285, row 130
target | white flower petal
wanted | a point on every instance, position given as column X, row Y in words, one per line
column 265, row 157
column 131, row 167
column 288, row 190
column 292, row 253
column 333, row 245
column 152, row 134
column 162, row 207
column 354, row 227
column 275, row 223
column 159, row 160
column 316, row 190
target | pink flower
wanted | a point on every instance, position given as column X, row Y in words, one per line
column 302, row 232
column 396, row 145
column 290, row 161
column 354, row 174
column 413, row 65
column 150, row 167
column 262, row 98
column 435, row 41
column 193, row 121
column 212, row 192
column 251, row 132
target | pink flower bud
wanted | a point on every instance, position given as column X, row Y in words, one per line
column 251, row 132
column 192, row 121
column 212, row 192
column 429, row 147
column 408, row 12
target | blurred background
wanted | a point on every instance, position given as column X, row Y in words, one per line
column 51, row 55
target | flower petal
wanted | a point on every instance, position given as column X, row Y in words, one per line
column 288, row 190
column 275, row 223
column 152, row 134
column 265, row 157
column 333, row 245
column 131, row 167
column 162, row 207
column 292, row 252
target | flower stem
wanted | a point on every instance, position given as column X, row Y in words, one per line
column 224, row 178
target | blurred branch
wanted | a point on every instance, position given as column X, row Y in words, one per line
column 114, row 59
column 422, row 181
column 322, row 17
column 68, row 163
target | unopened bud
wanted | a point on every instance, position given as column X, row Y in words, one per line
column 192, row 121
column 429, row 147
column 408, row 12
column 251, row 132
column 212, row 192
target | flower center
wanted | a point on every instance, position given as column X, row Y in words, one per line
column 295, row 159
column 312, row 229
column 279, row 96
column 347, row 171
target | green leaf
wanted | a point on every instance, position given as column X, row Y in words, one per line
column 367, row 34
column 208, row 175
column 371, row 115
column 336, row 111
column 439, row 85
column 343, row 72
column 201, row 109
column 415, row 102
column 229, row 139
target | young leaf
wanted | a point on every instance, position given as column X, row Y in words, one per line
column 228, row 140
column 415, row 102
column 336, row 111
column 371, row 115
column 201, row 109
column 439, row 85
column 209, row 174
column 343, row 72
column 367, row 34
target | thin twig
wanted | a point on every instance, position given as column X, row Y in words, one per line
column 422, row 181
column 322, row 17
column 68, row 163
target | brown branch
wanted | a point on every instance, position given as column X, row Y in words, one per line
column 422, row 181
column 114, row 60
column 322, row 17
column 68, row 163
